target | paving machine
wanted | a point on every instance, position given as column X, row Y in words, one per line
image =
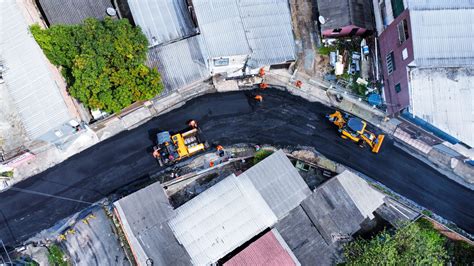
column 355, row 129
column 173, row 148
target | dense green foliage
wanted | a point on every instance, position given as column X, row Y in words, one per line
column 56, row 256
column 414, row 244
column 460, row 253
column 102, row 61
column 260, row 155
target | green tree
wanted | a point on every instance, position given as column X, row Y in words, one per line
column 102, row 62
column 414, row 244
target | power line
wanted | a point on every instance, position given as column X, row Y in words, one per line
column 49, row 195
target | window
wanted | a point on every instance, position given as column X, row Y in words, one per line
column 405, row 54
column 402, row 28
column 398, row 88
column 390, row 63
column 337, row 30
column 221, row 62
column 397, row 7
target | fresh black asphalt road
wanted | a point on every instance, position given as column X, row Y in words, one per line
column 117, row 164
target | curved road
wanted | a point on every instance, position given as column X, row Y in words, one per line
column 282, row 119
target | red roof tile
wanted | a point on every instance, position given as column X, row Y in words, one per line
column 264, row 251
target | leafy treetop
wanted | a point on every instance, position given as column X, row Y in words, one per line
column 414, row 244
column 102, row 62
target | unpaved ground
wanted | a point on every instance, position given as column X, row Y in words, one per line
column 303, row 25
column 12, row 132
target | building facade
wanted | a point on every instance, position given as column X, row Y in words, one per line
column 396, row 51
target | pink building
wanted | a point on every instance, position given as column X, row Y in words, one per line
column 396, row 52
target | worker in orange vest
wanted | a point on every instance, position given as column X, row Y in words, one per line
column 298, row 84
column 258, row 98
column 193, row 124
column 220, row 150
column 263, row 85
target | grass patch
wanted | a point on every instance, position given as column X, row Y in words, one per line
column 260, row 155
column 56, row 256
column 427, row 213
column 326, row 50
column 385, row 191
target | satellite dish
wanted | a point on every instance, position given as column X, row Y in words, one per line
column 322, row 20
column 111, row 11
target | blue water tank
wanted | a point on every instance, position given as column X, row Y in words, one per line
column 374, row 99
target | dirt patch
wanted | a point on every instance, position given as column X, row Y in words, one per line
column 303, row 25
column 12, row 132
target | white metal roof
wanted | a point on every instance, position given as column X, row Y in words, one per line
column 162, row 20
column 221, row 26
column 443, row 33
column 279, row 183
column 27, row 76
column 268, row 29
column 221, row 219
column 180, row 63
column 438, row 4
column 444, row 97
column 259, row 28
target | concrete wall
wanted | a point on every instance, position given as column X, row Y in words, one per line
column 389, row 42
column 234, row 68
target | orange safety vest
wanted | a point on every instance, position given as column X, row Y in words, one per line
column 258, row 98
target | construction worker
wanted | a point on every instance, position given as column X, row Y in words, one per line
column 193, row 124
column 156, row 153
column 261, row 72
column 220, row 150
column 263, row 85
column 298, row 84
column 258, row 98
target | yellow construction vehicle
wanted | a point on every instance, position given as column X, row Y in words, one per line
column 355, row 129
column 173, row 148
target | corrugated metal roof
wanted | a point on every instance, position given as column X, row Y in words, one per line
column 268, row 29
column 438, row 4
column 261, row 28
column 266, row 250
column 340, row 205
column 144, row 215
column 179, row 63
column 444, row 97
column 162, row 21
column 305, row 241
column 221, row 219
column 73, row 11
column 341, row 13
column 279, row 183
column 221, row 26
column 27, row 78
column 438, row 38
column 362, row 194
